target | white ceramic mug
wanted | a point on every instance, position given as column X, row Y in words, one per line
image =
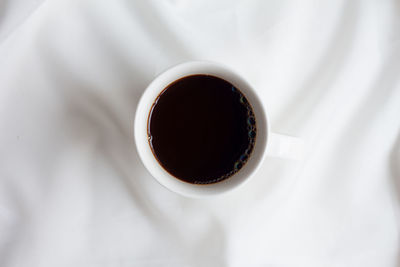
column 267, row 143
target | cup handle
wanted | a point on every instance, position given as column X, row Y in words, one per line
column 285, row 146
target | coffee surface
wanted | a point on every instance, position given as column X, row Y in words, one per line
column 201, row 129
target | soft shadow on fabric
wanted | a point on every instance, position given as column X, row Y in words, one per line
column 316, row 87
column 395, row 171
column 3, row 11
column 91, row 114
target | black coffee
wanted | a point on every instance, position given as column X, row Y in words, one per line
column 201, row 129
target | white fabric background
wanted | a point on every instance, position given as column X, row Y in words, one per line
column 74, row 193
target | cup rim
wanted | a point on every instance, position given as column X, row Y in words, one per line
column 146, row 155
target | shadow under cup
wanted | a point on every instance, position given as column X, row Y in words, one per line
column 240, row 173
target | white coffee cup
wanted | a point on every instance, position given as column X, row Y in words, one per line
column 267, row 143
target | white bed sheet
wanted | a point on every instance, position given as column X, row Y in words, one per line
column 73, row 191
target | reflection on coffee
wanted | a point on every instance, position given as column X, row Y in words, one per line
column 201, row 129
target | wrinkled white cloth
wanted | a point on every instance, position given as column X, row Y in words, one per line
column 73, row 191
